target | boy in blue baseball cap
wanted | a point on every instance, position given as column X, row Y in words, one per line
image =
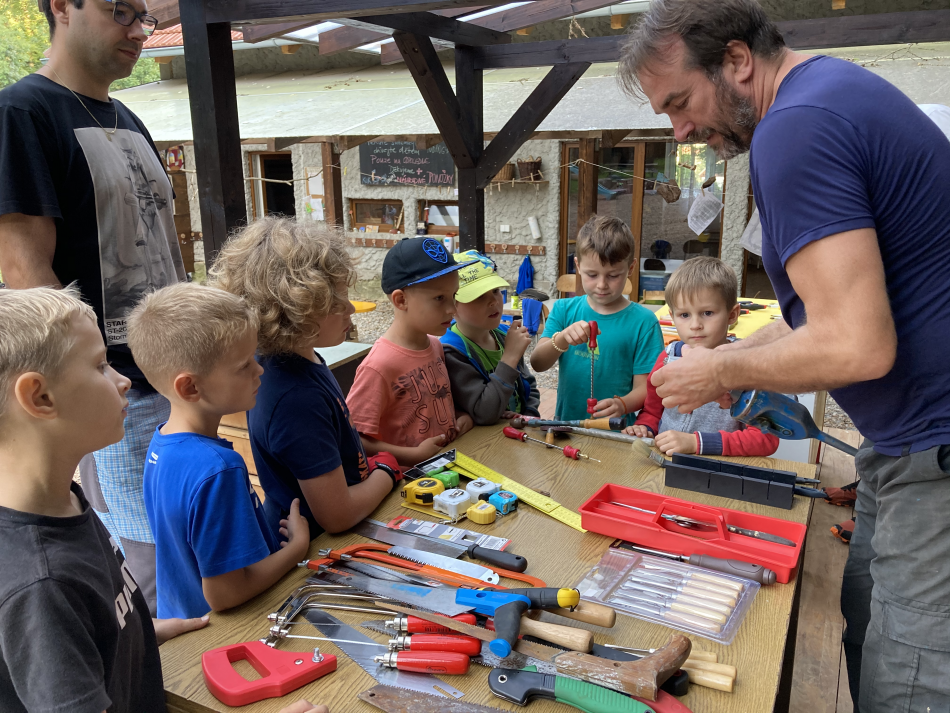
column 485, row 358
column 401, row 399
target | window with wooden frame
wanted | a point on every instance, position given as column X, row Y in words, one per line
column 440, row 217
column 376, row 216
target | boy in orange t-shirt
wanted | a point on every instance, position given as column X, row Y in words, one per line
column 401, row 399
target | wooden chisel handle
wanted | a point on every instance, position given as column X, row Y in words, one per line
column 723, row 669
column 712, row 588
column 709, row 614
column 710, row 656
column 709, row 679
column 588, row 612
column 705, row 603
column 718, row 581
column 693, row 591
column 567, row 636
column 701, row 622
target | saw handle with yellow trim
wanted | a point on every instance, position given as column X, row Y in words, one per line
column 588, row 612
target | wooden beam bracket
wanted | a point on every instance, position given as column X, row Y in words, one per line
column 427, row 71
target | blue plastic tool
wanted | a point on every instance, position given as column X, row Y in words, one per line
column 781, row 416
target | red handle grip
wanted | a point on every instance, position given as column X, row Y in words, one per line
column 591, row 406
column 415, row 625
column 447, row 662
column 514, row 433
column 468, row 645
column 571, row 453
column 594, row 331
column 281, row 672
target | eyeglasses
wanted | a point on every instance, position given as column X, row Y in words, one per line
column 125, row 15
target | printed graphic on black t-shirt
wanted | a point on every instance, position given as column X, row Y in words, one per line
column 133, row 216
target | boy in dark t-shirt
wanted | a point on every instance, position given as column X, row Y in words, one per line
column 75, row 631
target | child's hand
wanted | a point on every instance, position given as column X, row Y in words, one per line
column 638, row 430
column 670, row 442
column 516, row 343
column 508, row 415
column 166, row 629
column 295, row 530
column 303, row 707
column 608, row 408
column 430, row 446
column 577, row 333
column 464, row 424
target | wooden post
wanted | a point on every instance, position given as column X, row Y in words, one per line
column 636, row 214
column 468, row 89
column 332, row 186
column 586, row 187
column 209, row 64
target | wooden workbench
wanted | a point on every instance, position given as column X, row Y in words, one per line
column 557, row 553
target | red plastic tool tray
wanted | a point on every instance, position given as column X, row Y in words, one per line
column 598, row 515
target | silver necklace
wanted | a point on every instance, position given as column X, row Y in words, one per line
column 104, row 129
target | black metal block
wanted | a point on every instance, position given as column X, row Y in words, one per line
column 725, row 485
column 731, row 468
column 697, row 462
column 686, row 478
column 779, row 476
column 780, row 495
column 755, row 490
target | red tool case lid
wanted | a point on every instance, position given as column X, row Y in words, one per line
column 598, row 515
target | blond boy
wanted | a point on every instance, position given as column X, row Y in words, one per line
column 701, row 295
column 75, row 631
column 213, row 547
column 629, row 337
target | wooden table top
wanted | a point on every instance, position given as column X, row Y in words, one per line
column 556, row 553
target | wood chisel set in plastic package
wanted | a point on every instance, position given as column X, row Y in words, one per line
column 681, row 596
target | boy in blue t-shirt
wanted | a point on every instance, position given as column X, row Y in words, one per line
column 213, row 548
column 629, row 339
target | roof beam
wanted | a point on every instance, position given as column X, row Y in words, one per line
column 433, row 85
column 259, row 33
column 432, row 25
column 249, row 11
column 526, row 119
column 888, row 28
column 348, row 38
column 166, row 12
column 553, row 52
column 534, row 13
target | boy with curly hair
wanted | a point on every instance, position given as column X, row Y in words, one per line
column 295, row 277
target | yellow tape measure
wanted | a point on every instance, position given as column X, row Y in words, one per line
column 473, row 469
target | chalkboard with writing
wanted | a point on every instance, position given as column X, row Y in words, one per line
column 383, row 163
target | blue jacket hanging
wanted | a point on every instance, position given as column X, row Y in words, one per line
column 525, row 275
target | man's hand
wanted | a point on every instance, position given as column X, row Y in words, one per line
column 166, row 629
column 508, row 415
column 691, row 381
column 463, row 424
column 638, row 430
column 295, row 529
column 516, row 343
column 304, row 707
column 670, row 442
column 607, row 408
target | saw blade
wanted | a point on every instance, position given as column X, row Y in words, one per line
column 441, row 600
column 380, row 628
column 469, row 569
column 333, row 628
column 513, row 660
column 394, row 700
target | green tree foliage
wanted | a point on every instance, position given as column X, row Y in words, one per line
column 24, row 36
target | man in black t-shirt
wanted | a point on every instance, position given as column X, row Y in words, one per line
column 84, row 198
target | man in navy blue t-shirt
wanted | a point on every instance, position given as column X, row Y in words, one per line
column 852, row 182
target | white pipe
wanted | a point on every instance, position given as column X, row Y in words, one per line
column 625, row 8
column 235, row 46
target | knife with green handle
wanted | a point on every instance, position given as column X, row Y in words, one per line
column 522, row 685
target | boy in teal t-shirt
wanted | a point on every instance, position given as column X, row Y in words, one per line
column 629, row 339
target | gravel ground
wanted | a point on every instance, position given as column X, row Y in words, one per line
column 836, row 418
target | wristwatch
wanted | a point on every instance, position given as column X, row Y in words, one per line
column 387, row 470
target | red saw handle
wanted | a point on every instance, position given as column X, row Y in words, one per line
column 446, row 662
column 460, row 644
column 415, row 625
column 281, row 672
column 594, row 331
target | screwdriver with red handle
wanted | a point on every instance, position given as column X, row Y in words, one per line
column 458, row 643
column 414, row 625
column 568, row 451
column 592, row 345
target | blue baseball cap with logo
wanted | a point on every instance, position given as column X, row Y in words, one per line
column 415, row 260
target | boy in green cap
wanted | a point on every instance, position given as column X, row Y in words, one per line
column 485, row 359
